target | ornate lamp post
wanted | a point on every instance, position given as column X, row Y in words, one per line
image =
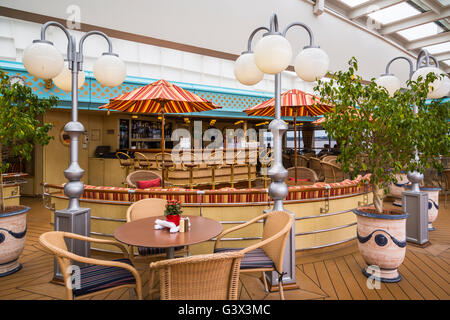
column 272, row 55
column 43, row 60
column 414, row 201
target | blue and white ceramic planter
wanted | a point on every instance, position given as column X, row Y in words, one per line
column 13, row 228
column 433, row 204
column 381, row 242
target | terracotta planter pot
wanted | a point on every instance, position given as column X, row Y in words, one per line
column 381, row 242
column 13, row 228
column 396, row 189
column 433, row 204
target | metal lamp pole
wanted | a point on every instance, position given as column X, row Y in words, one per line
column 74, row 219
column 278, row 189
column 414, row 201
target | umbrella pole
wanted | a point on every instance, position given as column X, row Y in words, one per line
column 163, row 144
column 295, row 145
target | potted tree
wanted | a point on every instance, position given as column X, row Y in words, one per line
column 19, row 131
column 367, row 121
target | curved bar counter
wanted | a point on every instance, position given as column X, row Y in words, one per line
column 323, row 211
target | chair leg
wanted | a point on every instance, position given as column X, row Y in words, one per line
column 132, row 293
column 280, row 286
column 266, row 288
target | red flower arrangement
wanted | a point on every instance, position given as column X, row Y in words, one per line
column 173, row 211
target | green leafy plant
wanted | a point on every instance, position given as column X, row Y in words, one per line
column 20, row 128
column 173, row 207
column 379, row 134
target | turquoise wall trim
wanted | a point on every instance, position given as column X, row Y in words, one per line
column 93, row 94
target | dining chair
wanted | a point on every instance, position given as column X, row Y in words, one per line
column 140, row 175
column 199, row 277
column 99, row 276
column 316, row 165
column 306, row 174
column 164, row 163
column 268, row 254
column 328, row 158
column 332, row 172
column 146, row 208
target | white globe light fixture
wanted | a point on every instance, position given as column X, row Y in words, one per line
column 438, row 86
column 390, row 82
column 246, row 71
column 109, row 70
column 273, row 53
column 311, row 64
column 41, row 59
column 64, row 79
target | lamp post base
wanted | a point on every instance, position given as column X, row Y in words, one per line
column 416, row 204
column 73, row 221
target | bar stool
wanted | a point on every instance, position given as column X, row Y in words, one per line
column 214, row 162
column 252, row 156
column 164, row 163
column 142, row 161
column 190, row 166
column 266, row 161
column 126, row 163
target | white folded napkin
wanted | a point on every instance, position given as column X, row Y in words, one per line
column 161, row 224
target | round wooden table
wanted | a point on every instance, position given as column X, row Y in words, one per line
column 141, row 233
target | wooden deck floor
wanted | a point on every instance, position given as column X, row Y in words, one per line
column 321, row 275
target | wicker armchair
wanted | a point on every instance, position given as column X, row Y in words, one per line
column 268, row 254
column 200, row 277
column 316, row 165
column 140, row 175
column 302, row 161
column 330, row 159
column 303, row 173
column 332, row 172
column 99, row 276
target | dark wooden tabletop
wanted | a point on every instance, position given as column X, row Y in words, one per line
column 143, row 234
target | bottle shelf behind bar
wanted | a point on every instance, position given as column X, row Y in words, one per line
column 143, row 134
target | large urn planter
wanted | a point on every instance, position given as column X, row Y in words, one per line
column 396, row 189
column 433, row 204
column 381, row 242
column 13, row 228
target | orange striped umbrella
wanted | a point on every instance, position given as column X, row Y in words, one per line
column 293, row 100
column 293, row 103
column 160, row 97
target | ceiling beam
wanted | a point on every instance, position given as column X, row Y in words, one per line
column 371, row 6
column 428, row 41
column 416, row 20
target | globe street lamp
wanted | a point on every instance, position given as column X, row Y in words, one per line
column 43, row 60
column 272, row 55
column 414, row 201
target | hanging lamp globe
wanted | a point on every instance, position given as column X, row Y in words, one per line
column 246, row 71
column 311, row 64
column 64, row 79
column 439, row 87
column 109, row 70
column 41, row 59
column 390, row 82
column 273, row 53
